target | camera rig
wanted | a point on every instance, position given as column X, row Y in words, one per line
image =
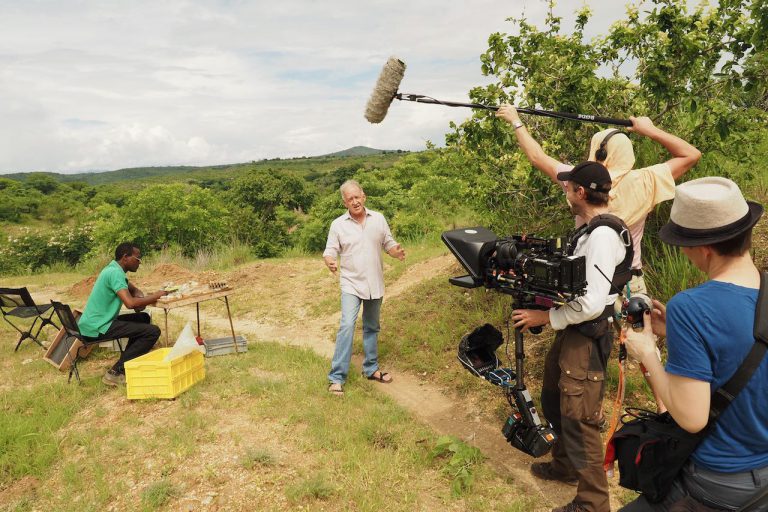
column 537, row 273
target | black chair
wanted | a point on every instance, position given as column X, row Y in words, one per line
column 64, row 312
column 17, row 302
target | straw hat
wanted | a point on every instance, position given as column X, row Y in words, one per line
column 708, row 210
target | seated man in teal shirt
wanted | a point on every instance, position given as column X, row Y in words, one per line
column 100, row 318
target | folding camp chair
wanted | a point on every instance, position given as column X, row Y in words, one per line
column 17, row 302
column 64, row 312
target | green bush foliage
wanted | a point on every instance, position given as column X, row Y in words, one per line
column 160, row 215
column 31, row 250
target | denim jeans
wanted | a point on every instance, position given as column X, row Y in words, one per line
column 141, row 334
column 350, row 306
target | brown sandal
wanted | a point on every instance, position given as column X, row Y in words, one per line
column 380, row 377
column 335, row 388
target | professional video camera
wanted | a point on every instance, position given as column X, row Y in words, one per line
column 539, row 274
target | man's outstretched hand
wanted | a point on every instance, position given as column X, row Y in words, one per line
column 397, row 252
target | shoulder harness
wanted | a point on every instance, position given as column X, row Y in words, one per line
column 623, row 272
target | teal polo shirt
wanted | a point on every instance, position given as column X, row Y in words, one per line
column 103, row 304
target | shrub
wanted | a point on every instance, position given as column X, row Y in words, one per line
column 33, row 250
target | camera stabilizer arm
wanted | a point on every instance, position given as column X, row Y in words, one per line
column 524, row 429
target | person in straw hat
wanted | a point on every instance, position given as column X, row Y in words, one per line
column 709, row 332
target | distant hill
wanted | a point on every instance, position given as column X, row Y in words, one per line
column 309, row 167
column 364, row 151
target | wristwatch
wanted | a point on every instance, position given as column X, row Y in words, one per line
column 517, row 124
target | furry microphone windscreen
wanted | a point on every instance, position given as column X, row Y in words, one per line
column 385, row 90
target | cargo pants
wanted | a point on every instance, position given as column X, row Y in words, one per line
column 571, row 399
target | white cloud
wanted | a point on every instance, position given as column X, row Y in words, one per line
column 106, row 84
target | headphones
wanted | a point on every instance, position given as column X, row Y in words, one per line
column 602, row 152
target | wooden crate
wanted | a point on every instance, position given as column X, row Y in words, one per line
column 64, row 347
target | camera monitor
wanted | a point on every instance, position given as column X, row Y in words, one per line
column 472, row 247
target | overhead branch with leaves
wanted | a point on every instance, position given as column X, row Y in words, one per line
column 699, row 74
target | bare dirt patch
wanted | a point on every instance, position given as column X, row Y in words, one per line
column 83, row 288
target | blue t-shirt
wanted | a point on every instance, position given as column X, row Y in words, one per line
column 709, row 333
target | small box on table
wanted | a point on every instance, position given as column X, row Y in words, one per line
column 148, row 376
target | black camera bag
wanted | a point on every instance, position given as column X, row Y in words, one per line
column 651, row 449
column 477, row 350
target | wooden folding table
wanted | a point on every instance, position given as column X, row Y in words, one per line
column 196, row 299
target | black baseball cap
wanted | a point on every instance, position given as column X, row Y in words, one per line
column 590, row 175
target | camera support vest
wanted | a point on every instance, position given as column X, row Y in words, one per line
column 623, row 272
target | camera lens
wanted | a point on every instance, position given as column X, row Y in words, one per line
column 506, row 254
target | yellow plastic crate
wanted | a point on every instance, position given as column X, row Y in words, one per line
column 149, row 377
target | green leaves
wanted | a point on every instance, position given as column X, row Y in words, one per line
column 701, row 74
column 461, row 461
column 163, row 215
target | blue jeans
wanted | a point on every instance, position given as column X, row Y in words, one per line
column 350, row 306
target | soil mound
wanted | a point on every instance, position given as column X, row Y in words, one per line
column 83, row 288
column 168, row 273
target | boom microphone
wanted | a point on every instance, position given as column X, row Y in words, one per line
column 385, row 90
column 392, row 74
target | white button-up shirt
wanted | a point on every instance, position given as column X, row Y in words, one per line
column 360, row 246
column 603, row 248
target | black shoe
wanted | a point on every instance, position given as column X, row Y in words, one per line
column 544, row 471
column 571, row 507
column 112, row 378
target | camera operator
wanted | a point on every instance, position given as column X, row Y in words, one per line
column 634, row 192
column 574, row 368
column 709, row 332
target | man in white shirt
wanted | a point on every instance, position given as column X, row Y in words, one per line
column 574, row 368
column 358, row 237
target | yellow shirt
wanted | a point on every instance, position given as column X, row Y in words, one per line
column 636, row 192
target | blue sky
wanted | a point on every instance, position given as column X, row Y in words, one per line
column 101, row 85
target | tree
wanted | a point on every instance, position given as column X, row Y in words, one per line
column 162, row 215
column 697, row 74
column 265, row 202
column 42, row 182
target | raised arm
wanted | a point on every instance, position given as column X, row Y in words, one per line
column 532, row 149
column 684, row 155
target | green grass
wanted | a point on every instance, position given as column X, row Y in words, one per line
column 317, row 486
column 157, row 494
column 669, row 271
column 254, row 458
column 94, row 449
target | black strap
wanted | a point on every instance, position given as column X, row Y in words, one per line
column 723, row 397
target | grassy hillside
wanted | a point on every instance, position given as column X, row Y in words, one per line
column 307, row 167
